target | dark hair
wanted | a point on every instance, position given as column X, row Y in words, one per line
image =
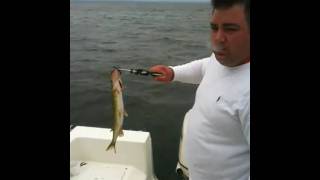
column 223, row 4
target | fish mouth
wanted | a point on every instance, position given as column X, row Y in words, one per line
column 116, row 68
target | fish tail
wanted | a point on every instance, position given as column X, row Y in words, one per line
column 112, row 146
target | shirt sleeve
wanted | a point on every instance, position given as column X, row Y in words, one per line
column 244, row 115
column 191, row 72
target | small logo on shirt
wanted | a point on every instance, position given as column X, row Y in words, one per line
column 218, row 98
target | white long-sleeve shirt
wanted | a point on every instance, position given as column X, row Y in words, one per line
column 217, row 142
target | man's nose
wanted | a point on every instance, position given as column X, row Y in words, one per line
column 220, row 36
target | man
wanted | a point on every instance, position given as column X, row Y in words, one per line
column 217, row 136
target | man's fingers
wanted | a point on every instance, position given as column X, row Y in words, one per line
column 164, row 70
column 162, row 78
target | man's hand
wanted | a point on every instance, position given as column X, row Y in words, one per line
column 167, row 73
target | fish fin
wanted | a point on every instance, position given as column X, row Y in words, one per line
column 125, row 113
column 115, row 89
column 112, row 146
column 121, row 84
column 121, row 133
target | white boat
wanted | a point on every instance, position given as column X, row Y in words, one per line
column 89, row 159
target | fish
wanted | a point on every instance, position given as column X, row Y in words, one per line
column 117, row 107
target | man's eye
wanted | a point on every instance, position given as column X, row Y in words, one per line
column 230, row 29
column 214, row 27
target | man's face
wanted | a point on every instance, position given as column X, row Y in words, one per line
column 230, row 36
